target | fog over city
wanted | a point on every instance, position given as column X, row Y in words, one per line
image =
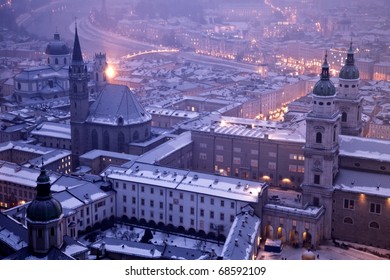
column 202, row 129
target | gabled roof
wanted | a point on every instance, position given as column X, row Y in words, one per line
column 53, row 254
column 12, row 233
column 117, row 105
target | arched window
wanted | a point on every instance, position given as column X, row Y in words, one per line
column 374, row 225
column 106, row 141
column 65, row 60
column 74, row 88
column 319, row 137
column 135, row 135
column 56, row 61
column 344, row 117
column 121, row 142
column 334, row 133
column 95, row 142
column 348, row 220
column 19, row 86
column 97, row 77
column 48, row 60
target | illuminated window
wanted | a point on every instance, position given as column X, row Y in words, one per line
column 219, row 158
column 349, row 204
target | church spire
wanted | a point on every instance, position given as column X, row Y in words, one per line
column 350, row 58
column 325, row 68
column 77, row 55
column 43, row 185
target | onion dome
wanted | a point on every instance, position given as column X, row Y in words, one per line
column 57, row 46
column 349, row 70
column 44, row 207
column 324, row 87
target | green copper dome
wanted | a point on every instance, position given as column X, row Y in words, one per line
column 44, row 210
column 349, row 71
column 324, row 87
column 44, row 207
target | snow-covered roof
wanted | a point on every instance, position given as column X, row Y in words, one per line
column 310, row 211
column 365, row 148
column 11, row 172
column 196, row 182
column 12, row 233
column 167, row 148
column 117, row 105
column 291, row 132
column 242, row 236
column 42, row 73
column 57, row 130
column 129, row 248
column 101, row 153
column 363, row 182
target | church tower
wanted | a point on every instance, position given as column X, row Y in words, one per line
column 100, row 71
column 322, row 148
column 348, row 99
column 44, row 218
column 78, row 97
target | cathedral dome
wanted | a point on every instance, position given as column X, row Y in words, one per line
column 349, row 71
column 44, row 207
column 57, row 46
column 44, row 210
column 324, row 87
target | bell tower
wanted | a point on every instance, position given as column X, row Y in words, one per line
column 44, row 218
column 348, row 99
column 78, row 97
column 100, row 71
column 322, row 147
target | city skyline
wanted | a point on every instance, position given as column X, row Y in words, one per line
column 255, row 134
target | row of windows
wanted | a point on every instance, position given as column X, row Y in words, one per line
column 238, row 150
column 296, row 168
column 374, row 207
column 192, row 198
column 347, row 86
column 170, row 217
column 56, row 60
column 382, row 167
column 349, row 220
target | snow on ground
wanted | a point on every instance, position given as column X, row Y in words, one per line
column 133, row 233
column 324, row 252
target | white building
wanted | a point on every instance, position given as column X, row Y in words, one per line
column 192, row 201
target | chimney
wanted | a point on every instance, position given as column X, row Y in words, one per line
column 249, row 238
